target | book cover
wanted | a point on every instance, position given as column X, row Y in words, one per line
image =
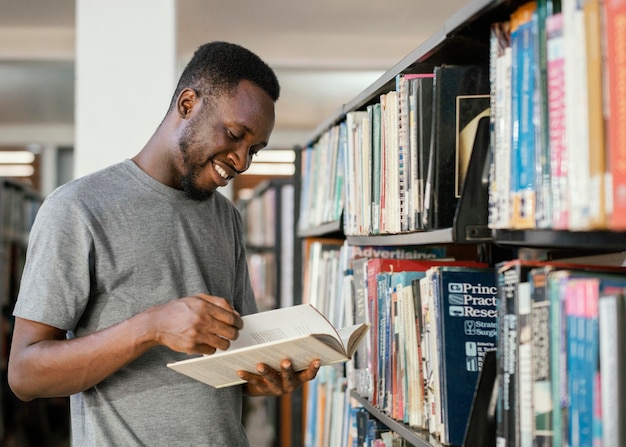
column 466, row 313
column 300, row 333
column 450, row 82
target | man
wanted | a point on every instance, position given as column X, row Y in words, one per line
column 143, row 263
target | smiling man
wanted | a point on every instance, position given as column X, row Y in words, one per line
column 142, row 263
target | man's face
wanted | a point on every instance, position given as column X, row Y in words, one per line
column 222, row 136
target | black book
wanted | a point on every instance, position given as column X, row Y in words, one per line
column 460, row 99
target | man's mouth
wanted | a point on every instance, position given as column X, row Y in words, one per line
column 221, row 172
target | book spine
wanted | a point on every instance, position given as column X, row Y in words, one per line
column 592, row 10
column 381, row 280
column 503, row 137
column 541, row 365
column 404, row 167
column 615, row 35
column 558, row 356
column 574, row 364
column 523, row 186
column 612, row 333
column 542, row 136
column 577, row 123
column 524, row 366
column 376, row 167
column 507, row 356
column 424, row 125
column 492, row 209
column 556, row 113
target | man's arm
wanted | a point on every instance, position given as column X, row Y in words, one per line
column 43, row 363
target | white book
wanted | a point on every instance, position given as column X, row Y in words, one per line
column 299, row 333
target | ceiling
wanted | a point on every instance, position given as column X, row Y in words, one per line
column 324, row 52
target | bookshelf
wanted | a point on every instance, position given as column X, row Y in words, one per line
column 268, row 216
column 465, row 39
column 22, row 422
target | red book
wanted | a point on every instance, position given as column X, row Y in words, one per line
column 616, row 75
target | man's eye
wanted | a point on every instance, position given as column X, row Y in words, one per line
column 232, row 136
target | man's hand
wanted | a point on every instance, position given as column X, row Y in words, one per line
column 197, row 324
column 269, row 382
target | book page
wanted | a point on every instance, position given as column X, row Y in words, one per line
column 220, row 369
column 282, row 324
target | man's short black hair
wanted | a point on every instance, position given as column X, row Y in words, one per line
column 218, row 67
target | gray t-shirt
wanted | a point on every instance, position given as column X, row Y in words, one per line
column 116, row 242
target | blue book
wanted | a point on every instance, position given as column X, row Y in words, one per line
column 522, row 110
column 466, row 313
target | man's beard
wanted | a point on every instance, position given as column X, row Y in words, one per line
column 189, row 184
column 188, row 180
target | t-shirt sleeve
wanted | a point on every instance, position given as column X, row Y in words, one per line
column 54, row 287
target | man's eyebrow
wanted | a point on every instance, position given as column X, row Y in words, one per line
column 248, row 130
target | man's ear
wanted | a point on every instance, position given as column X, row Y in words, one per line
column 186, row 102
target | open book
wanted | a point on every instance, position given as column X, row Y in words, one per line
column 299, row 333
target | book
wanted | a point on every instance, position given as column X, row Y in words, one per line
column 542, row 402
column 612, row 333
column 377, row 334
column 543, row 212
column 523, row 188
column 500, row 172
column 299, row 333
column 592, row 10
column 615, row 14
column 465, row 313
column 556, row 113
column 514, row 310
column 374, row 112
column 355, row 182
column 576, row 117
column 560, row 358
column 420, row 111
column 450, row 82
column 402, row 143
